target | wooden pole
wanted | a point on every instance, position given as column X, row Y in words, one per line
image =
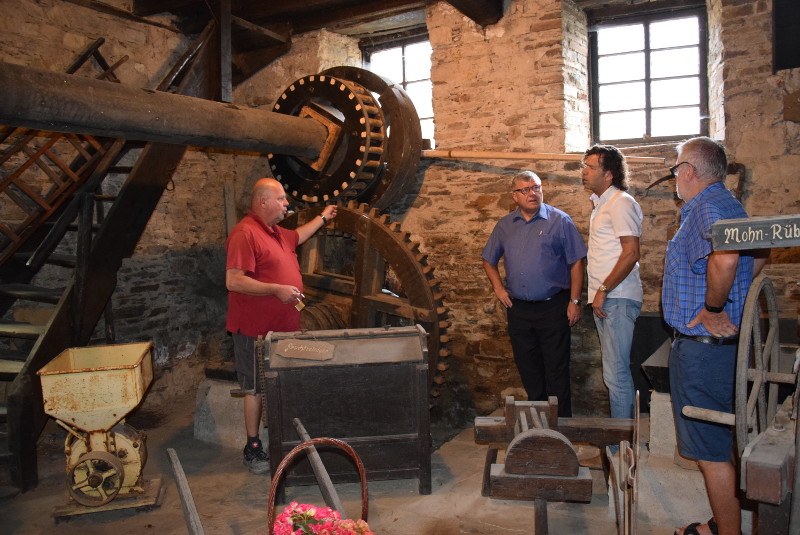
column 498, row 155
column 34, row 98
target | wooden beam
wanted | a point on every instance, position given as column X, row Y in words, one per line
column 482, row 12
column 46, row 100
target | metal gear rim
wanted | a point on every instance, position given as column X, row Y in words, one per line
column 114, row 465
column 357, row 155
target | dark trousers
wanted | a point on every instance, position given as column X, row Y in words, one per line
column 540, row 339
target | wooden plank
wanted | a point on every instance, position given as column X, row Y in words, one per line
column 541, row 452
column 491, row 458
column 540, row 517
column 193, row 523
column 329, row 493
column 756, row 233
column 598, row 431
column 492, row 429
column 531, row 487
column 768, row 462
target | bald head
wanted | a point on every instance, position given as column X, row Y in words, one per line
column 268, row 201
column 264, row 187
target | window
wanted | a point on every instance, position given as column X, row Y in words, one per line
column 409, row 65
column 649, row 77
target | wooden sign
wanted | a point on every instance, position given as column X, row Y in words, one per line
column 305, row 349
column 756, row 233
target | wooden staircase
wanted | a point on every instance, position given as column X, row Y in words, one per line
column 56, row 216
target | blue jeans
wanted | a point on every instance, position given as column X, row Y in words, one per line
column 616, row 334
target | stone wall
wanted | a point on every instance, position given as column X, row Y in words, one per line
column 756, row 133
column 518, row 85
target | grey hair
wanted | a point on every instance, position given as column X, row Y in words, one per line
column 525, row 176
column 707, row 156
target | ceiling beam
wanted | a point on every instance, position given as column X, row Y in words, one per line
column 146, row 8
column 312, row 16
column 482, row 12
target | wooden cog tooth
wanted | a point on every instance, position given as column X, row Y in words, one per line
column 442, row 310
column 442, row 366
column 384, row 219
column 444, row 353
column 352, row 205
column 444, row 338
column 439, row 380
column 395, row 227
column 373, row 212
column 444, row 324
column 435, row 393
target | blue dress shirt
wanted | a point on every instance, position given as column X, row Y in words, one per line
column 537, row 254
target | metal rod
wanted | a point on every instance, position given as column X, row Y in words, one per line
column 489, row 155
column 45, row 100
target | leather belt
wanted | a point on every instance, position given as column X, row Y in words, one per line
column 532, row 302
column 710, row 340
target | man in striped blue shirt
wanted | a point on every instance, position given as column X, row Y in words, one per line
column 703, row 297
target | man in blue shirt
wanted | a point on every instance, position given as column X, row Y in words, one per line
column 543, row 255
column 703, row 298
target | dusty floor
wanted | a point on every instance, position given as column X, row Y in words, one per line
column 230, row 500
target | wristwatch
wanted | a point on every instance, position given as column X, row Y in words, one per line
column 603, row 288
column 576, row 301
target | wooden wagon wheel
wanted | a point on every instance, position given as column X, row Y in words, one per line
column 387, row 280
column 756, row 397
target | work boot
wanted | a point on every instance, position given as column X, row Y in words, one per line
column 255, row 459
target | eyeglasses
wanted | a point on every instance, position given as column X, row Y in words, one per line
column 524, row 191
column 674, row 169
column 584, row 165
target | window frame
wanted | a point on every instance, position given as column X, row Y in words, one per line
column 599, row 20
column 370, row 46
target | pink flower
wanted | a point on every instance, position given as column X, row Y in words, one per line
column 303, row 519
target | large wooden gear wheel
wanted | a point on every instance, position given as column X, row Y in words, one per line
column 353, row 152
column 385, row 279
column 757, row 376
column 374, row 139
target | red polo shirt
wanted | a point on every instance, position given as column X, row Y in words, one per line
column 266, row 254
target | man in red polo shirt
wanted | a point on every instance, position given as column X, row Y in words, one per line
column 264, row 285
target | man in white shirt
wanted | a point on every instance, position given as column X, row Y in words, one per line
column 615, row 289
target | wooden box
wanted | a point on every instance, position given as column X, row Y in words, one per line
column 372, row 393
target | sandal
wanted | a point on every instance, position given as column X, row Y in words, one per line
column 691, row 529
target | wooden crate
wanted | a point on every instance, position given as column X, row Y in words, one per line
column 373, row 394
